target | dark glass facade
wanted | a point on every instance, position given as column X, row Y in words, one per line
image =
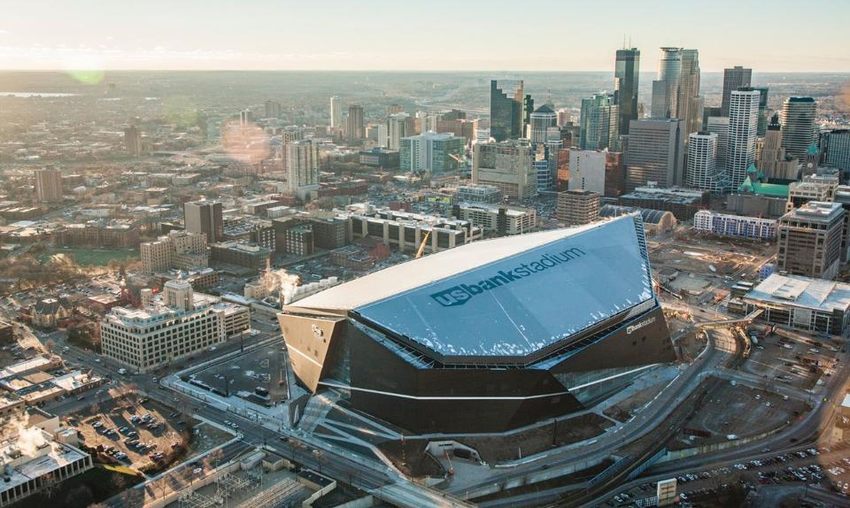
column 626, row 83
column 506, row 109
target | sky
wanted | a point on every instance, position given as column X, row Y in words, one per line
column 495, row 35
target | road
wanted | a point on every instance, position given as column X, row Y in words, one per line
column 654, row 415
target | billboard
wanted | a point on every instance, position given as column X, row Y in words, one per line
column 525, row 302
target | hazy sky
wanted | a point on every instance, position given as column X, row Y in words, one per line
column 497, row 35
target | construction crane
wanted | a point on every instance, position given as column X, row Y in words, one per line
column 421, row 250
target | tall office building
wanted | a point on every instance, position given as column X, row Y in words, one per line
column 542, row 119
column 506, row 109
column 204, row 217
column 702, row 171
column 719, row 125
column 809, row 240
column 508, row 165
column 655, row 153
column 336, row 113
column 798, row 125
column 302, row 165
column 665, row 89
column 743, row 126
column 399, row 125
column 836, row 147
column 598, row 123
column 772, row 159
column 354, row 127
column 689, row 102
column 733, row 79
column 564, row 117
column 588, row 170
column 48, row 185
column 527, row 109
column 272, row 109
column 431, row 152
column 763, row 90
column 626, row 85
column 133, row 140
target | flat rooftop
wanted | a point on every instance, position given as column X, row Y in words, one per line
column 503, row 297
column 817, row 294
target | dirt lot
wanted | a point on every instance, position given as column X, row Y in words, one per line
column 138, row 428
column 739, row 410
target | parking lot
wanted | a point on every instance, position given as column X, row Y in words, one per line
column 823, row 467
column 799, row 362
column 134, row 432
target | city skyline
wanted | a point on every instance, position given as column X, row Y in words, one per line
column 256, row 36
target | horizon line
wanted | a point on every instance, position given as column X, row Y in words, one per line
column 459, row 71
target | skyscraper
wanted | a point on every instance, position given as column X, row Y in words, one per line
column 626, row 84
column 399, row 125
column 836, row 146
column 506, row 109
column 527, row 109
column 763, row 90
column 272, row 109
column 542, row 119
column 702, row 171
column 598, row 123
column 336, row 113
column 48, row 185
column 204, row 217
column 655, row 153
column 798, row 125
column 665, row 89
column 772, row 160
column 743, row 126
column 302, row 165
column 733, row 79
column 720, row 126
column 689, row 103
column 354, row 124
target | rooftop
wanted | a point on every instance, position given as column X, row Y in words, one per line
column 816, row 294
column 503, row 297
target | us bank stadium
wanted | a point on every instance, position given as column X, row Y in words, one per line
column 490, row 336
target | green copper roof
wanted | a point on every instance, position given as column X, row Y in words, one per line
column 812, row 149
column 773, row 190
column 752, row 169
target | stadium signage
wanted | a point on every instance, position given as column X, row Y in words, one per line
column 637, row 326
column 462, row 293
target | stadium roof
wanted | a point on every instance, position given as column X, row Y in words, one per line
column 505, row 297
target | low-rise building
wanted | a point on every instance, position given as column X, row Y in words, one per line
column 735, row 225
column 806, row 303
column 502, row 220
column 33, row 460
column 173, row 326
column 240, row 254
